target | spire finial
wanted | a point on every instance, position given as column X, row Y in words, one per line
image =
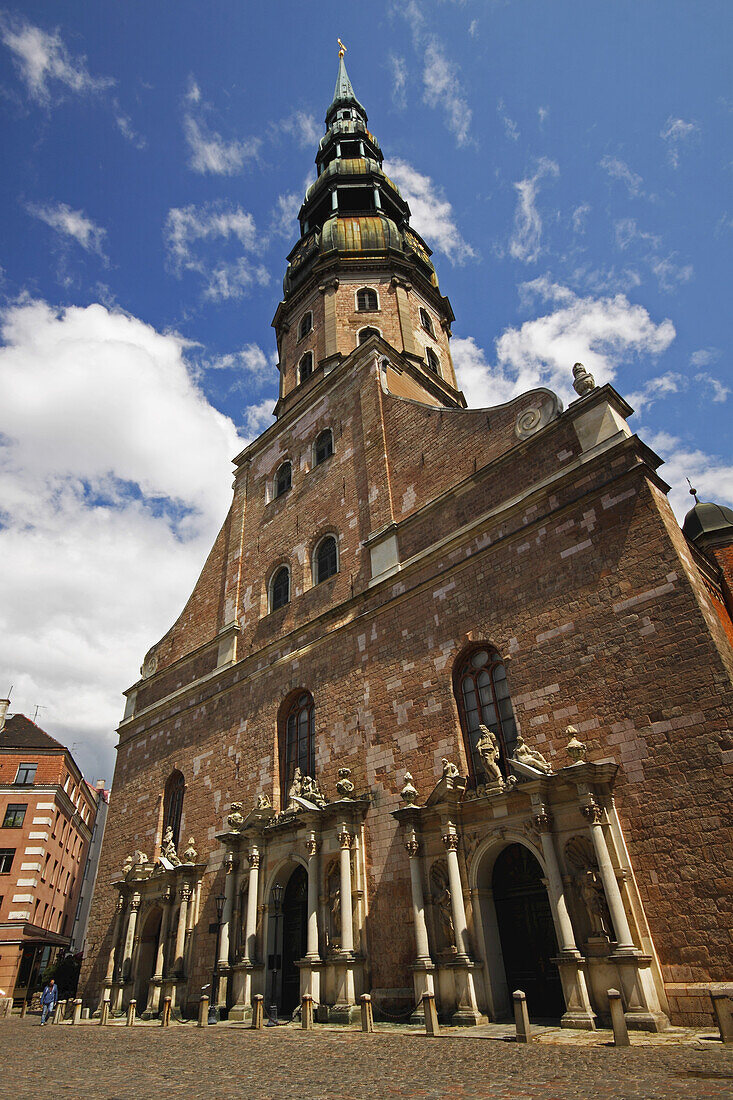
column 342, row 48
column 693, row 492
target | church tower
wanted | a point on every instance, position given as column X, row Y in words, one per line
column 448, row 710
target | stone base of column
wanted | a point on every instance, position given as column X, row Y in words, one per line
column 578, row 1013
column 342, row 982
column 311, row 971
column 466, row 1012
column 423, row 981
column 152, row 1005
column 643, row 1011
column 247, row 978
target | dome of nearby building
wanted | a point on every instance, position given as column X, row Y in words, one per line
column 707, row 519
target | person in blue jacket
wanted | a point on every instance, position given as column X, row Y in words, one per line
column 49, row 997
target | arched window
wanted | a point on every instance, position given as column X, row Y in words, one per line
column 283, row 479
column 306, row 325
column 427, row 322
column 297, row 741
column 324, row 446
column 483, row 700
column 366, row 300
column 280, row 588
column 325, row 560
column 305, row 367
column 175, row 789
column 366, row 333
column 432, row 360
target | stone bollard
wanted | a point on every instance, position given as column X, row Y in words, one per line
column 723, row 1009
column 131, row 1013
column 618, row 1021
column 367, row 1015
column 521, row 1017
column 257, row 1011
column 76, row 1018
column 306, row 1012
column 165, row 1016
column 58, row 1012
column 85, row 1014
column 23, row 1008
column 203, row 1011
column 104, row 1014
column 431, row 1014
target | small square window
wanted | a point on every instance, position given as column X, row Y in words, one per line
column 26, row 776
column 6, row 860
column 14, row 815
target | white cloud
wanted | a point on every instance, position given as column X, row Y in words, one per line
column 431, row 213
column 45, row 63
column 209, row 151
column 305, row 128
column 580, row 217
column 115, row 475
column 704, row 356
column 543, row 113
column 526, row 239
column 709, row 474
column 285, row 214
column 627, row 232
column 251, row 359
column 189, row 229
column 70, row 223
column 398, row 66
column 443, row 89
column 259, row 417
column 675, row 133
column 719, row 390
column 510, row 125
column 124, row 125
column 654, row 388
column 473, row 28
column 602, row 333
column 669, row 273
column 618, row 169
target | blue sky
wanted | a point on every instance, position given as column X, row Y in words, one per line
column 569, row 163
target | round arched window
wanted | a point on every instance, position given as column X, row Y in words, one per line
column 280, row 588
column 484, row 700
column 326, row 559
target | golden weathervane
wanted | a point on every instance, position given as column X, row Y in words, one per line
column 342, row 48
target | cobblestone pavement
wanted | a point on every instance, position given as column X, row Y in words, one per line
column 222, row 1063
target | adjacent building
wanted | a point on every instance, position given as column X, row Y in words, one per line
column 47, row 816
column 449, row 708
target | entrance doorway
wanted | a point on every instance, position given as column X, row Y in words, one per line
column 147, row 957
column 527, row 932
column 295, row 917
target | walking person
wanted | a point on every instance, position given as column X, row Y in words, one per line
column 49, row 997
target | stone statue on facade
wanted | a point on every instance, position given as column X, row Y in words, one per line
column 594, row 900
column 263, row 802
column 235, row 820
column 523, row 754
column 409, row 794
column 190, row 855
column 168, row 848
column 583, row 382
column 488, row 749
column 575, row 748
column 310, row 790
column 295, row 790
column 450, row 771
column 344, row 786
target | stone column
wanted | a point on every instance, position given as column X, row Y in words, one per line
column 330, row 329
column 130, row 936
column 163, row 936
column 116, row 929
column 250, row 932
column 402, row 289
column 345, row 840
column 185, row 895
column 312, row 937
column 594, row 815
column 458, row 909
column 558, row 901
column 418, row 902
column 226, row 916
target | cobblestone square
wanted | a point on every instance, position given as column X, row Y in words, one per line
column 118, row 1063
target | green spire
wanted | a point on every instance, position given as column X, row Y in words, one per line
column 343, row 92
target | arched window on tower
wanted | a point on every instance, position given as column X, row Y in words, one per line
column 427, row 321
column 323, row 448
column 366, row 333
column 283, row 479
column 432, row 361
column 305, row 366
column 325, row 560
column 297, row 740
column 482, row 693
column 306, row 325
column 280, row 588
column 175, row 789
column 366, row 300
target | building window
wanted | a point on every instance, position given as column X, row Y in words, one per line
column 175, row 789
column 298, row 741
column 367, row 300
column 325, row 559
column 323, row 447
column 280, row 588
column 6, row 860
column 432, row 360
column 26, row 776
column 484, row 700
column 14, row 815
column 305, row 367
column 306, row 325
column 427, row 322
column 283, row 479
column 366, row 333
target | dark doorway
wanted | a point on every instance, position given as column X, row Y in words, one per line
column 295, row 918
column 526, row 931
column 147, row 957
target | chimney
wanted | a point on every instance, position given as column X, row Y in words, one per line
column 4, row 704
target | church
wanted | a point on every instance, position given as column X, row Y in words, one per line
column 449, row 708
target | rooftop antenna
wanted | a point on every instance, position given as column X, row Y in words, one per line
column 693, row 492
column 35, row 712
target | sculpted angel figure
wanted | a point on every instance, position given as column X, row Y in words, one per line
column 168, row 847
column 450, row 771
column 525, row 755
column 488, row 749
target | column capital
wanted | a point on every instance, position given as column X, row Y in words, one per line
column 230, row 863
column 253, row 857
column 592, row 811
column 412, row 846
column 120, row 903
column 185, row 892
column 450, row 840
column 135, row 902
column 543, row 819
column 312, row 844
column 345, row 838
